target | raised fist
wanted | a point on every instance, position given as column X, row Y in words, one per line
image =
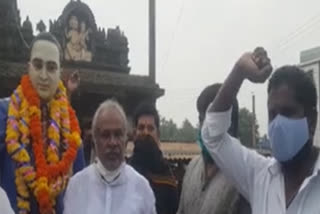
column 255, row 66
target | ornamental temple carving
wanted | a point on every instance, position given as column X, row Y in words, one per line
column 100, row 56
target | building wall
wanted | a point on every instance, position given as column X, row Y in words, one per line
column 314, row 69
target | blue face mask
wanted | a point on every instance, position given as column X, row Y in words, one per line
column 204, row 150
column 287, row 137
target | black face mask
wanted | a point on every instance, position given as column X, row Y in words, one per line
column 147, row 155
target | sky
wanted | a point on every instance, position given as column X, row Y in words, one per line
column 198, row 42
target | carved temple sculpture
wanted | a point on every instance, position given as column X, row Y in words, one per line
column 77, row 36
column 100, row 57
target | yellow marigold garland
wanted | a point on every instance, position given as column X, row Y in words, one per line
column 54, row 132
column 23, row 127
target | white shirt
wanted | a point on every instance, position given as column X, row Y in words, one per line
column 5, row 206
column 107, row 175
column 129, row 193
column 259, row 179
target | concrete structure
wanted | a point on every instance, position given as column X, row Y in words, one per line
column 100, row 56
column 310, row 63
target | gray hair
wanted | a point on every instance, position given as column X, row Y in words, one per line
column 106, row 106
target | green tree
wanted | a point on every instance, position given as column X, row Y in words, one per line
column 168, row 130
column 187, row 133
column 245, row 127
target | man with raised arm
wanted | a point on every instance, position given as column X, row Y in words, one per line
column 290, row 181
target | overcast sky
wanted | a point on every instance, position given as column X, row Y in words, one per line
column 199, row 41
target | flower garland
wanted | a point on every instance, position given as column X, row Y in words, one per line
column 49, row 176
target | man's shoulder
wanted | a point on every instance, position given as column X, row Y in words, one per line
column 134, row 175
column 195, row 161
column 164, row 180
column 194, row 164
column 137, row 180
column 82, row 175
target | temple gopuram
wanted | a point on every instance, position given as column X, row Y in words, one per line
column 100, row 56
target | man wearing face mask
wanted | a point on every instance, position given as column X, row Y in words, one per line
column 40, row 144
column 148, row 160
column 109, row 185
column 205, row 189
column 290, row 181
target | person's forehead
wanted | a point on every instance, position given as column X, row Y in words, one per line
column 281, row 96
column 110, row 118
column 146, row 119
column 46, row 51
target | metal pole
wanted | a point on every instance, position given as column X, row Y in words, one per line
column 152, row 40
column 253, row 121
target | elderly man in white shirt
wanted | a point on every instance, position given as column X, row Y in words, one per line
column 5, row 206
column 109, row 185
column 288, row 183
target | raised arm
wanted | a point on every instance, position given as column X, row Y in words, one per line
column 254, row 66
column 237, row 162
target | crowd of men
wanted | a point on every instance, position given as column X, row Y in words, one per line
column 43, row 168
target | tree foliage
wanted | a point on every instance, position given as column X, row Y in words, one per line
column 245, row 127
column 187, row 132
column 170, row 132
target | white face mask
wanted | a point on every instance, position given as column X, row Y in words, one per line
column 44, row 69
column 108, row 176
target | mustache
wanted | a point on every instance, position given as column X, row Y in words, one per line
column 112, row 151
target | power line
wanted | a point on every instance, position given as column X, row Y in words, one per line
column 304, row 28
column 301, row 30
column 166, row 56
column 301, row 36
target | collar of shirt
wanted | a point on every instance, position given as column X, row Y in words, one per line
column 110, row 177
column 275, row 168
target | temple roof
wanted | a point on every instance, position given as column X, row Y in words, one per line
column 27, row 24
column 174, row 150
